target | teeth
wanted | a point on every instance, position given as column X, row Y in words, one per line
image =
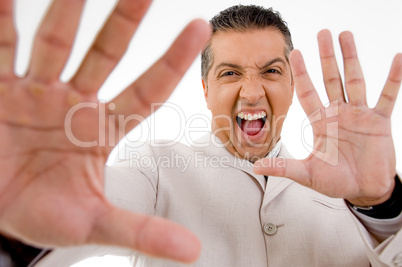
column 251, row 117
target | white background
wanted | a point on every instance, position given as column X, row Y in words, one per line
column 377, row 26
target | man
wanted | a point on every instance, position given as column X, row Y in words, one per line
column 242, row 218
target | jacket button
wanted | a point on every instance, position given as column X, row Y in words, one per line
column 398, row 260
column 270, row 229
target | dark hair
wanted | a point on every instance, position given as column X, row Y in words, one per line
column 241, row 18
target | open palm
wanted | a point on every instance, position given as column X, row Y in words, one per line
column 55, row 137
column 353, row 155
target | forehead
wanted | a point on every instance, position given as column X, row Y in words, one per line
column 248, row 47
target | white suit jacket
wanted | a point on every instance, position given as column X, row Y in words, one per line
column 241, row 219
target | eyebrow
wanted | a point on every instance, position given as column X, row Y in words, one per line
column 272, row 61
column 225, row 64
column 235, row 66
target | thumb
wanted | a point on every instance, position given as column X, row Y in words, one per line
column 283, row 167
column 147, row 234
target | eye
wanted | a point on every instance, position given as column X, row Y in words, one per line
column 229, row 76
column 228, row 73
column 273, row 71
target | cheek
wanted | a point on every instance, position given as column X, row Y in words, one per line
column 221, row 100
column 280, row 103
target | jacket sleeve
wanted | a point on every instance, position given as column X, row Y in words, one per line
column 382, row 238
column 15, row 253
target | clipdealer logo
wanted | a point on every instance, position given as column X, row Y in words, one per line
column 325, row 126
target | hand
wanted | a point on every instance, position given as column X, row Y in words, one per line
column 353, row 155
column 52, row 189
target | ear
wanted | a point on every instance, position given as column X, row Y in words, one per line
column 292, row 83
column 204, row 85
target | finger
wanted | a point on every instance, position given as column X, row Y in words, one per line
column 156, row 84
column 332, row 78
column 54, row 40
column 110, row 45
column 150, row 235
column 354, row 81
column 8, row 39
column 305, row 90
column 283, row 167
column 386, row 102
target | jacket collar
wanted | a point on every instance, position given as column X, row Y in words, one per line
column 212, row 145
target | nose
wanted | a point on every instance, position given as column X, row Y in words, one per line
column 251, row 92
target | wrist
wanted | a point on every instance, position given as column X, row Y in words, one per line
column 366, row 202
column 389, row 208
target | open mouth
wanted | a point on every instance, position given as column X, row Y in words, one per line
column 251, row 123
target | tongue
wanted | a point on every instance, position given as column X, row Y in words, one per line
column 251, row 127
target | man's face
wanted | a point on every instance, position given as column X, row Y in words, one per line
column 249, row 90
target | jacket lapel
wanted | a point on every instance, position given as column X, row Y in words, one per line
column 275, row 184
column 212, row 145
